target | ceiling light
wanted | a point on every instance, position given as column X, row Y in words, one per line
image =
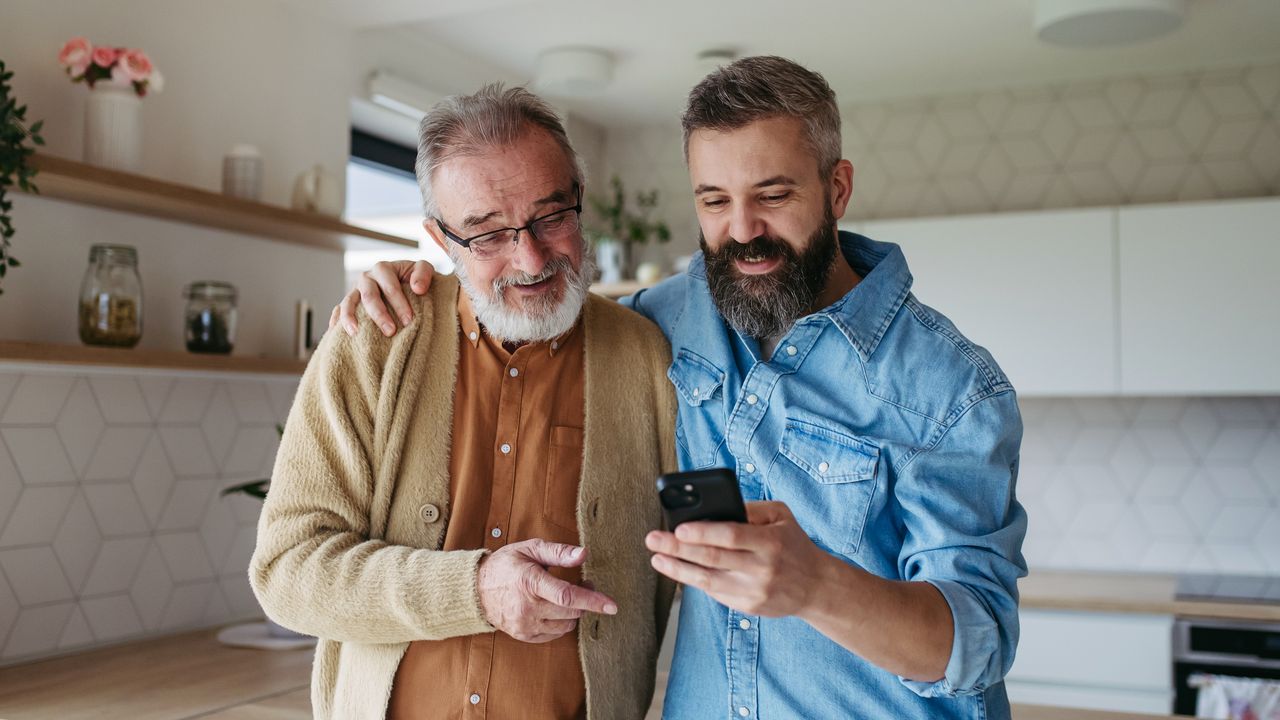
column 573, row 72
column 1094, row 23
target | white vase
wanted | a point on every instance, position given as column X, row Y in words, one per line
column 113, row 128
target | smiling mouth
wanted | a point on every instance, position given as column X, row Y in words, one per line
column 757, row 264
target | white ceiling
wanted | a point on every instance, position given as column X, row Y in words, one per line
column 868, row 49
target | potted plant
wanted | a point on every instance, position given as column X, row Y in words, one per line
column 14, row 170
column 118, row 79
column 623, row 229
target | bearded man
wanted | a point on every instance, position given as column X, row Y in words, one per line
column 877, row 447
column 458, row 513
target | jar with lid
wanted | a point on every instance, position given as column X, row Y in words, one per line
column 111, row 297
column 210, row 316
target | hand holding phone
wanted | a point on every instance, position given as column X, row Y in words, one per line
column 701, row 495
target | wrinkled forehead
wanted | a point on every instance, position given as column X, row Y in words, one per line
column 505, row 180
column 743, row 157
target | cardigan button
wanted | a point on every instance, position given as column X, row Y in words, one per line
column 429, row 513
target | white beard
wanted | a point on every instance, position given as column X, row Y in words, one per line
column 539, row 320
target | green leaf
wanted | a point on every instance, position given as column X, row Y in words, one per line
column 13, row 262
column 35, row 127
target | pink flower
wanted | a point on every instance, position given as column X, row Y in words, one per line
column 136, row 65
column 76, row 56
column 103, row 57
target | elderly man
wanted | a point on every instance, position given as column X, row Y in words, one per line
column 445, row 501
column 877, row 575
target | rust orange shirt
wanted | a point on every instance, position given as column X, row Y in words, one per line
column 514, row 471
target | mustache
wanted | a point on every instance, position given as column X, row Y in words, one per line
column 556, row 265
column 761, row 246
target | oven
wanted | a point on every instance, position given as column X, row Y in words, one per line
column 1237, row 648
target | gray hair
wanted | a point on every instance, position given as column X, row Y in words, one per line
column 463, row 125
column 762, row 87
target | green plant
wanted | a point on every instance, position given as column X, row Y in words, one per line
column 255, row 488
column 14, row 170
column 622, row 225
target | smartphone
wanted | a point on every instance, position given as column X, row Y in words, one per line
column 700, row 495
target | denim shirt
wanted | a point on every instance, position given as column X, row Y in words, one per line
column 894, row 441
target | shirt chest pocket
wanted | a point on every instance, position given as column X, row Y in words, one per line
column 701, row 415
column 828, row 479
column 560, row 491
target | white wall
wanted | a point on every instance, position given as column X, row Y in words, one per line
column 235, row 71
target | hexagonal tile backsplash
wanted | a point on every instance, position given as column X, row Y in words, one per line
column 110, row 522
column 111, row 528
column 1134, row 139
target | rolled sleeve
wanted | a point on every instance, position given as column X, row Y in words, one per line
column 964, row 536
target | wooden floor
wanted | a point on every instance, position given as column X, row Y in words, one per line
column 193, row 676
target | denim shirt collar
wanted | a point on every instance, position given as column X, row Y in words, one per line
column 864, row 313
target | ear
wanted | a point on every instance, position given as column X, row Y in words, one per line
column 433, row 231
column 841, row 187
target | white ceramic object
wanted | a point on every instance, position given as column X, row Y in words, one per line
column 113, row 128
column 242, row 173
column 258, row 635
column 318, row 190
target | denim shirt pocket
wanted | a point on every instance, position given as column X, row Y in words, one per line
column 701, row 417
column 828, row 478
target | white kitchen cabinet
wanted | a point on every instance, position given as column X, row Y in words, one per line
column 1103, row 661
column 1038, row 290
column 1200, row 298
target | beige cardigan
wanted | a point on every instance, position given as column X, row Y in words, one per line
column 348, row 545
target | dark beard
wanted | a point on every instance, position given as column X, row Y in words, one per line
column 765, row 306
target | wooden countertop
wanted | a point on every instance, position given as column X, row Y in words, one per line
column 193, row 676
column 1129, row 593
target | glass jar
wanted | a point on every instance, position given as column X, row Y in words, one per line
column 210, row 316
column 111, row 297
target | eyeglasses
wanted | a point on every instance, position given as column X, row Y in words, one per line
column 499, row 243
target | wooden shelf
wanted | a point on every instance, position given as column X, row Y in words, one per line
column 63, row 179
column 14, row 351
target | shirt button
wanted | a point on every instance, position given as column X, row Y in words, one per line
column 745, row 624
column 741, row 711
column 472, row 335
column 429, row 513
column 496, row 532
column 514, row 372
column 791, row 349
column 823, row 467
column 752, row 399
column 555, row 345
column 506, row 450
column 696, row 392
column 749, row 468
column 475, row 699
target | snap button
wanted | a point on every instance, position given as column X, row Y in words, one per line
column 749, row 468
column 791, row 349
column 745, row 624
column 823, row 467
column 752, row 399
column 429, row 513
column 696, row 392
column 743, row 711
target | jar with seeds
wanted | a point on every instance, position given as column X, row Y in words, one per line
column 111, row 297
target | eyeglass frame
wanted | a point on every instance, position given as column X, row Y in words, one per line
column 527, row 227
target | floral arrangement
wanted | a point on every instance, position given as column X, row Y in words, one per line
column 123, row 67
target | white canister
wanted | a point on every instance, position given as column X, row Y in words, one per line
column 113, row 127
column 242, row 173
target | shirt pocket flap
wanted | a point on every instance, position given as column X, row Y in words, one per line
column 827, row 455
column 694, row 378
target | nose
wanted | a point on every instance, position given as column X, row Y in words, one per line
column 530, row 256
column 745, row 224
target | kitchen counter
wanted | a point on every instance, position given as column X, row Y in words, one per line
column 192, row 675
column 1130, row 593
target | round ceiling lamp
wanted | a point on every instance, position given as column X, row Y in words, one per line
column 573, row 72
column 1095, row 23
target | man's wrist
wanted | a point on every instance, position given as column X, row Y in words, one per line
column 829, row 589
